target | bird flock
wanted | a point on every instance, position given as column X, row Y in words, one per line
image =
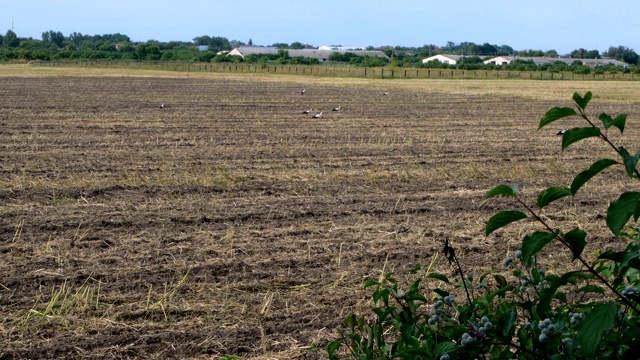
column 317, row 115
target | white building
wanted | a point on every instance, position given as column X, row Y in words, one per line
column 445, row 59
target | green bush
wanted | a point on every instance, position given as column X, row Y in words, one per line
column 533, row 313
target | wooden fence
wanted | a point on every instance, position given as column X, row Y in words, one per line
column 347, row 71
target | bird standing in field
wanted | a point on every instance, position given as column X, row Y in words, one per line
column 318, row 115
column 307, row 111
column 336, row 109
column 385, row 93
column 162, row 106
column 303, row 91
column 561, row 132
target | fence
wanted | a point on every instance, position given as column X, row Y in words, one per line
column 348, row 71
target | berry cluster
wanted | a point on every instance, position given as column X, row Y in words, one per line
column 509, row 259
column 476, row 333
column 546, row 328
column 437, row 311
column 630, row 290
column 574, row 318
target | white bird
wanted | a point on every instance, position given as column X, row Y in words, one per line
column 303, row 91
column 307, row 111
column 162, row 106
column 386, row 93
column 318, row 115
column 336, row 109
column 561, row 132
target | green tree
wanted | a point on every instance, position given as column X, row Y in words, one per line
column 586, row 54
column 148, row 51
column 11, row 39
column 283, row 54
column 551, row 54
column 622, row 53
column 53, row 37
column 505, row 50
column 488, row 49
column 530, row 52
column 296, row 45
column 202, row 40
column 235, row 43
column 280, row 45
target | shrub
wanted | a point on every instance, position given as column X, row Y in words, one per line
column 532, row 313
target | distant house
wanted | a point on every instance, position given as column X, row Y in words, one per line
column 321, row 55
column 339, row 48
column 540, row 60
column 244, row 51
column 445, row 59
column 499, row 60
column 203, row 47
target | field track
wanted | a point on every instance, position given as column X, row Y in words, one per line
column 229, row 223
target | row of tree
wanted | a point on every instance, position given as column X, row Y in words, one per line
column 55, row 46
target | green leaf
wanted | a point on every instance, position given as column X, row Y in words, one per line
column 370, row 283
column 631, row 259
column 441, row 292
column 593, row 326
column 586, row 175
column 606, row 120
column 576, row 134
column 501, row 280
column 554, row 114
column 620, row 211
column 619, row 122
column 616, row 256
column 331, row 349
column 439, row 277
column 503, row 218
column 506, row 322
column 502, row 190
column 533, row 243
column 630, row 162
column 582, row 101
column 500, row 292
column 576, row 239
column 445, row 348
column 550, row 195
column 549, row 293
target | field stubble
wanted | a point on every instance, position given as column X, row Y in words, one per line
column 229, row 223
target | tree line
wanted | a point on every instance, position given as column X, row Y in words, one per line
column 76, row 46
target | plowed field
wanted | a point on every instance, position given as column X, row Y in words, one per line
column 230, row 223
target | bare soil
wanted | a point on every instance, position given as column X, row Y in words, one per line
column 229, row 223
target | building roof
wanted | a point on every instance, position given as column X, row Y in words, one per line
column 308, row 53
column 439, row 57
column 539, row 60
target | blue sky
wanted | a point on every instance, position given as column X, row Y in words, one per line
column 561, row 25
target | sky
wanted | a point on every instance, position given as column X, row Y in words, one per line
column 561, row 25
